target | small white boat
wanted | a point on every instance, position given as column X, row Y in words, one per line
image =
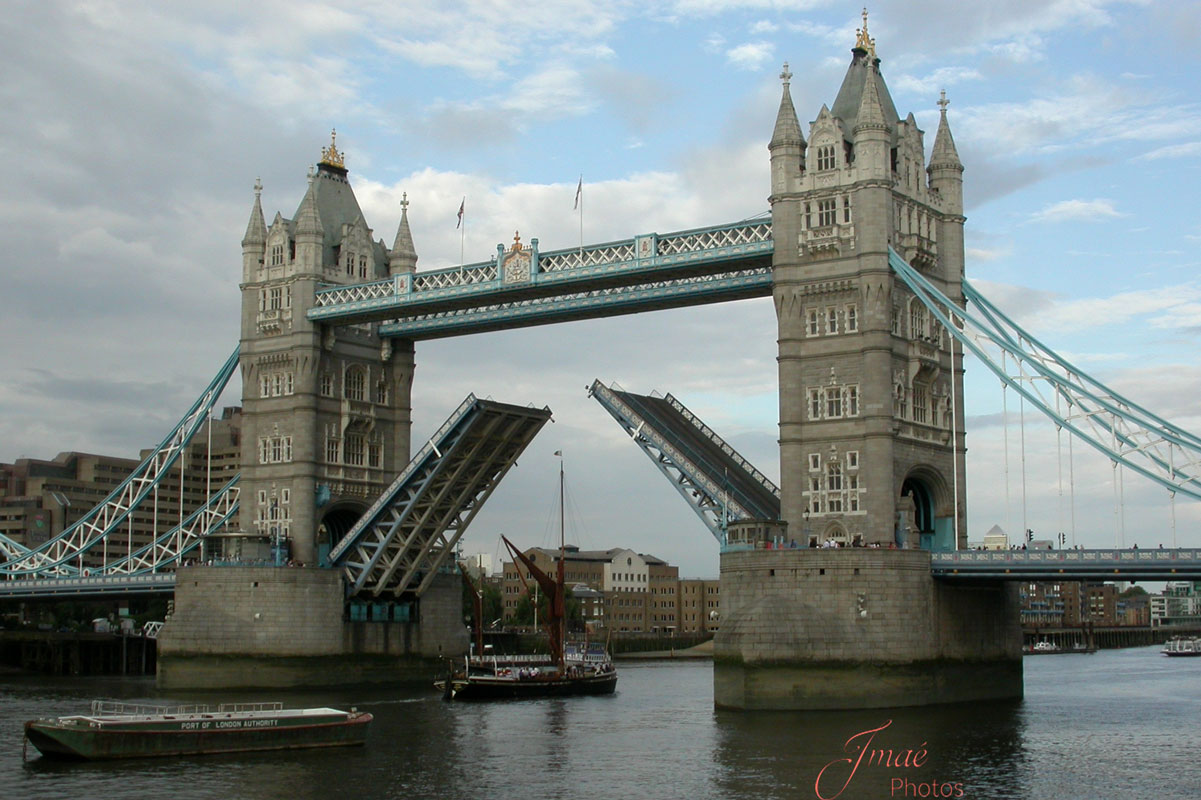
column 1182, row 646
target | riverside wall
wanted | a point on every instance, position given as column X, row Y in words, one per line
column 251, row 627
column 859, row 628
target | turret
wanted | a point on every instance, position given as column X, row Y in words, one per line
column 254, row 243
column 946, row 170
column 787, row 146
column 403, row 255
column 310, row 235
column 871, row 134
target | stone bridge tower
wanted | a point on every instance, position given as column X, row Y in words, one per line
column 326, row 412
column 871, row 432
column 871, row 392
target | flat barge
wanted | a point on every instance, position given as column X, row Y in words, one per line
column 122, row 730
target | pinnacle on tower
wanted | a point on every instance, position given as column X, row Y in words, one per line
column 944, row 153
column 330, row 156
column 308, row 219
column 864, row 42
column 788, row 129
column 871, row 112
column 403, row 255
column 256, row 228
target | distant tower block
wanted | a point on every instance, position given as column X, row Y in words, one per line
column 326, row 412
column 871, row 431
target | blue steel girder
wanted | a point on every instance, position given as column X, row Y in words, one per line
column 55, row 556
column 409, row 533
column 1066, row 565
column 1124, row 432
column 714, row 480
column 666, row 267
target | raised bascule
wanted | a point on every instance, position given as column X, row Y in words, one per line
column 863, row 255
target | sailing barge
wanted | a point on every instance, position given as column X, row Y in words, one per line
column 570, row 669
column 122, row 730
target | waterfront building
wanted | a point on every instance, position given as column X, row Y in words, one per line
column 1178, row 605
column 1070, row 604
column 626, row 591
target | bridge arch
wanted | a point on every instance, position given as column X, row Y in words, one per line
column 335, row 524
column 926, row 498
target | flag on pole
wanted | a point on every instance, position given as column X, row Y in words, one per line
column 579, row 190
column 461, row 206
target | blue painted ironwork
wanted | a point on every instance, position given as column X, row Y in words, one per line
column 716, row 482
column 63, row 555
column 1067, row 565
column 1123, row 431
column 592, row 304
column 722, row 262
column 410, row 532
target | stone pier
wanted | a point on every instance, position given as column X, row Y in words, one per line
column 249, row 627
column 847, row 628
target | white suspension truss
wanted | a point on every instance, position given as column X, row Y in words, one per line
column 62, row 555
column 1125, row 432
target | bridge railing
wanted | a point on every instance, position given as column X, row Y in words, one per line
column 1066, row 557
column 634, row 255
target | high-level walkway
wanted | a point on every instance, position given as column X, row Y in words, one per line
column 521, row 287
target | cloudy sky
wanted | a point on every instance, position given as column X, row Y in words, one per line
column 133, row 133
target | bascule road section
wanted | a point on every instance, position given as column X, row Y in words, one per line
column 522, row 287
column 717, row 483
column 409, row 533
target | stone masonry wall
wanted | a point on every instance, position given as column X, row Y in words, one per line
column 858, row 628
column 286, row 626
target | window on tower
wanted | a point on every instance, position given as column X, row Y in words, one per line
column 356, row 384
column 826, row 212
column 825, row 157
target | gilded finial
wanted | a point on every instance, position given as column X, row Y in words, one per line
column 862, row 40
column 516, row 241
column 785, row 75
column 404, row 202
column 943, row 102
column 330, row 155
column 258, row 186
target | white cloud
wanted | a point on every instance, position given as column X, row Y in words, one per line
column 752, row 55
column 1077, row 211
column 1185, row 150
column 941, row 78
column 1165, row 307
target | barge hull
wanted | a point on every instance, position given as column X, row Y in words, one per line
column 79, row 743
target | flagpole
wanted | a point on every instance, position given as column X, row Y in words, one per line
column 462, row 233
column 580, row 202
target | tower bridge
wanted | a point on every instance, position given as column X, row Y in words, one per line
column 863, row 256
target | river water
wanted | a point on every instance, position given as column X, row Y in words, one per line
column 1114, row 725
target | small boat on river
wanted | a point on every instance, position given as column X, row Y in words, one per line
column 1182, row 646
column 124, row 730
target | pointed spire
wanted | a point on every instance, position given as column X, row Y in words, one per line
column 788, row 129
column 944, row 153
column 862, row 41
column 256, row 229
column 403, row 255
column 308, row 219
column 871, row 113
